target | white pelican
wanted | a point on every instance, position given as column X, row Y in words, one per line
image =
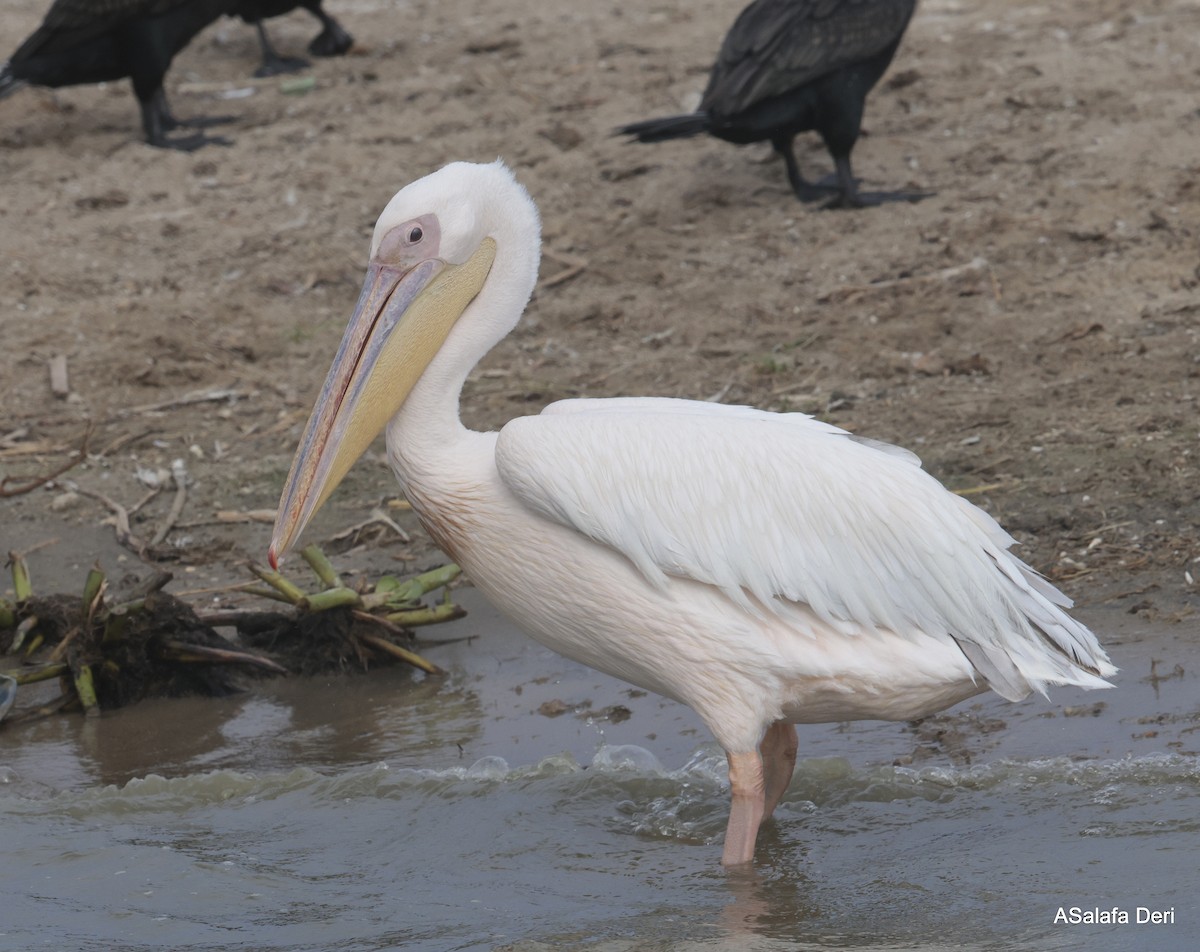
column 766, row 569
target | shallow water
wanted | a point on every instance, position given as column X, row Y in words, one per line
column 388, row 812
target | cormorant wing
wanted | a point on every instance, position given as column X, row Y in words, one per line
column 71, row 22
column 776, row 46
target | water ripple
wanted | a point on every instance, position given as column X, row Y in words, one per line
column 630, row 773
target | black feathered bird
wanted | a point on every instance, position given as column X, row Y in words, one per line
column 94, row 41
column 333, row 40
column 790, row 66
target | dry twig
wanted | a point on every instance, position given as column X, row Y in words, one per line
column 180, row 477
column 945, row 274
column 378, row 517
column 42, row 480
column 574, row 266
column 188, row 399
column 125, row 534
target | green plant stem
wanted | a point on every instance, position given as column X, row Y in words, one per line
column 266, row 593
column 91, row 588
column 39, row 674
column 22, row 586
column 320, row 564
column 85, row 687
column 402, row 653
column 414, row 618
column 408, row 594
column 114, row 627
column 23, row 629
column 285, row 588
column 419, row 585
column 331, row 598
column 117, row 623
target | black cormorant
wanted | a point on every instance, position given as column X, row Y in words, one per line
column 94, row 41
column 789, row 66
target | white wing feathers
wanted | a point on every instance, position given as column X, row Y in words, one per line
column 776, row 509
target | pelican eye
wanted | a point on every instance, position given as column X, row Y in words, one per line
column 415, row 235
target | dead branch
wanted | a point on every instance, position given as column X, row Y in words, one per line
column 42, row 480
column 180, row 477
column 574, row 266
column 231, row 517
column 184, row 651
column 13, row 437
column 375, row 641
column 945, row 274
column 187, row 400
column 122, row 441
column 125, row 534
column 378, row 517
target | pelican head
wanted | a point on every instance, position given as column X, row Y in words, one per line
column 431, row 254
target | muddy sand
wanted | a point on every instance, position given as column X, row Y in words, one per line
column 1029, row 329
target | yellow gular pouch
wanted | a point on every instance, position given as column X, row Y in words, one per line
column 416, row 339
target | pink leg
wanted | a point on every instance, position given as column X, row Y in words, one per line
column 746, row 809
column 779, row 762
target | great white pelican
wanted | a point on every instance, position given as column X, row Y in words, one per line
column 766, row 569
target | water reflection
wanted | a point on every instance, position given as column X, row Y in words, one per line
column 770, row 901
column 325, row 723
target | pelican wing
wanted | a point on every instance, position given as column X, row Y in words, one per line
column 779, row 510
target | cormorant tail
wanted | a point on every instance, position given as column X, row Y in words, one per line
column 9, row 83
column 668, row 127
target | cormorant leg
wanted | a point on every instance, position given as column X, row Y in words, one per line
column 746, row 807
column 778, row 748
column 332, row 40
column 802, row 189
column 157, row 120
column 848, row 197
column 272, row 63
column 169, row 121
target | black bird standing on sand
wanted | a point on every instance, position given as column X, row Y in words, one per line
column 789, row 66
column 331, row 41
column 95, row 41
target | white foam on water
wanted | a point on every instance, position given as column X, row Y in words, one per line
column 632, row 773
